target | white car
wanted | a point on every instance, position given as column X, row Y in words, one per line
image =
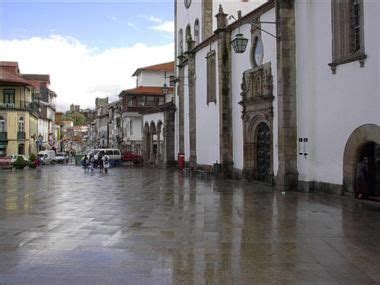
column 15, row 156
column 61, row 157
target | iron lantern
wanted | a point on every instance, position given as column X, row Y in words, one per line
column 239, row 43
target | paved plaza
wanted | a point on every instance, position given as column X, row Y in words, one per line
column 153, row 226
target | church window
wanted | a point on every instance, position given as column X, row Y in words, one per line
column 188, row 36
column 211, row 77
column 348, row 34
column 196, row 31
column 180, row 41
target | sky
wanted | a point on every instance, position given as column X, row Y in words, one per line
column 89, row 48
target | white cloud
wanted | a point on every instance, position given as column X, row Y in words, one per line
column 155, row 19
column 79, row 73
column 115, row 19
column 167, row 26
column 133, row 26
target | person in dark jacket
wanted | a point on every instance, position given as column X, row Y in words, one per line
column 362, row 179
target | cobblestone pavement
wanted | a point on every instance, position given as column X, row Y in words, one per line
column 150, row 226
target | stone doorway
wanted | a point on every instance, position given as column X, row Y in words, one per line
column 263, row 152
column 371, row 152
column 257, row 116
column 364, row 141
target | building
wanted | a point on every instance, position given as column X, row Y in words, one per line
column 47, row 107
column 271, row 111
column 147, row 95
column 102, row 122
column 18, row 112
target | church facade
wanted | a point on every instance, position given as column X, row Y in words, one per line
column 298, row 107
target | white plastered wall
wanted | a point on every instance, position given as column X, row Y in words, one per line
column 331, row 106
column 207, row 120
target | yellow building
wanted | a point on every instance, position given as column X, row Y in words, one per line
column 18, row 112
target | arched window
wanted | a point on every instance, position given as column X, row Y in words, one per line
column 180, row 41
column 196, row 31
column 188, row 35
column 3, row 127
column 21, row 124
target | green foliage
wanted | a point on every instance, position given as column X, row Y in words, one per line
column 77, row 118
column 32, row 157
column 32, row 161
column 20, row 163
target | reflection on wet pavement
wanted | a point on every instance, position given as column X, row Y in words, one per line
column 151, row 226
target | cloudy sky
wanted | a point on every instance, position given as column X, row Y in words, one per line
column 90, row 48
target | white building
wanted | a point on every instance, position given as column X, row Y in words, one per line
column 144, row 112
column 47, row 108
column 298, row 107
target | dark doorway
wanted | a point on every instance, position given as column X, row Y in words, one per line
column 21, row 148
column 263, row 152
column 371, row 150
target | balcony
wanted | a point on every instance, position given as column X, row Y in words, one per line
column 20, row 105
column 21, row 136
column 3, row 136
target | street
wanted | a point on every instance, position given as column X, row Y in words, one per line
column 140, row 225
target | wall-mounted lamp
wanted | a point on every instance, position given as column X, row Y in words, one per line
column 239, row 43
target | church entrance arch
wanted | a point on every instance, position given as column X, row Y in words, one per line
column 263, row 152
column 257, row 115
column 361, row 161
column 369, row 161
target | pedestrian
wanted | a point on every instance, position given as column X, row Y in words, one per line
column 362, row 179
column 100, row 161
column 38, row 164
column 106, row 163
column 92, row 162
column 85, row 163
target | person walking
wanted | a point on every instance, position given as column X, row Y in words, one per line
column 100, row 161
column 92, row 162
column 362, row 179
column 106, row 163
column 85, row 163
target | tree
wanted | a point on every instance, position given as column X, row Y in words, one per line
column 78, row 118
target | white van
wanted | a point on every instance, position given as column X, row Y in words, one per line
column 47, row 156
column 113, row 153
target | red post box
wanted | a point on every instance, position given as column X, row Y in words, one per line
column 181, row 161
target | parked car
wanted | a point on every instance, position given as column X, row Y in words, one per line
column 132, row 157
column 113, row 153
column 47, row 156
column 61, row 157
column 15, row 156
column 5, row 162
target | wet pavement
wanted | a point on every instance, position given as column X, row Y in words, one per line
column 151, row 226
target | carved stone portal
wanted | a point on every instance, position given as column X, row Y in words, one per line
column 257, row 116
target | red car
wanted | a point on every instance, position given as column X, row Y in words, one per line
column 5, row 162
column 132, row 157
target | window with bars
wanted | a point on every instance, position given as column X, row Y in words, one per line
column 348, row 34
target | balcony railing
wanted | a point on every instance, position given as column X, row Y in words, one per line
column 3, row 136
column 20, row 135
column 20, row 105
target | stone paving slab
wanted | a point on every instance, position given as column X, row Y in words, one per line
column 152, row 226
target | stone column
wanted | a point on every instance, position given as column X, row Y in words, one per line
column 181, row 108
column 158, row 156
column 287, row 175
column 151, row 158
column 169, row 136
column 207, row 19
column 192, row 105
column 225, row 95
